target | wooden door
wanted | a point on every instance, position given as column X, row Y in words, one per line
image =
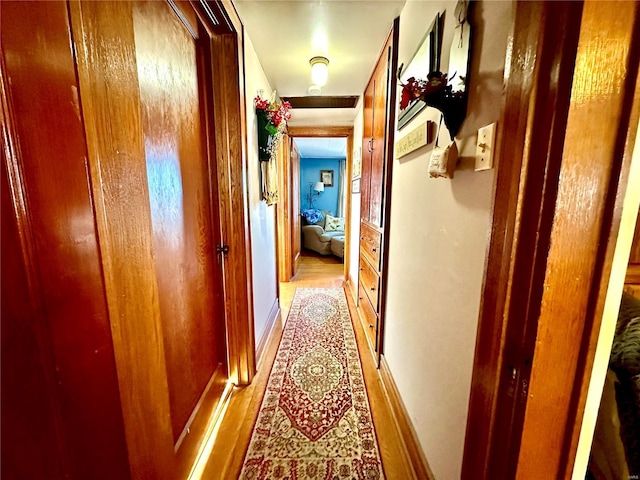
column 368, row 118
column 61, row 415
column 379, row 145
column 174, row 94
column 295, row 204
column 283, row 212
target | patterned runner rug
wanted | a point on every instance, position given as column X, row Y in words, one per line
column 315, row 421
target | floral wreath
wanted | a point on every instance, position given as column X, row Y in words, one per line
column 272, row 123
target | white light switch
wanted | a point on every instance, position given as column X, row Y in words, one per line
column 485, row 147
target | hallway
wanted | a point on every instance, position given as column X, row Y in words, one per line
column 236, row 427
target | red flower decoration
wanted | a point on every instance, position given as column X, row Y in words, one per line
column 415, row 89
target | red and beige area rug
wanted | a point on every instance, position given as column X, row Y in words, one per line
column 315, row 421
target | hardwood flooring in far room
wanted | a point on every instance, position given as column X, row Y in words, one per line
column 235, row 430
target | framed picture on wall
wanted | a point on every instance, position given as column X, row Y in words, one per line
column 357, row 162
column 326, row 177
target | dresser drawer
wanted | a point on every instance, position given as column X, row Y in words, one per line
column 368, row 318
column 370, row 240
column 370, row 281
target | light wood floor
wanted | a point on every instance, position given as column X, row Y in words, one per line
column 235, row 430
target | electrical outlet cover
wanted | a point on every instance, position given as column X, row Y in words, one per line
column 485, row 147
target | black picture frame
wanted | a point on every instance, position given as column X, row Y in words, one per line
column 326, row 177
column 425, row 60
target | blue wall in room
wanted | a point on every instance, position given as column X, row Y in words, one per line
column 310, row 172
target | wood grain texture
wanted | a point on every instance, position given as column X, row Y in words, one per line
column 370, row 283
column 375, row 182
column 379, row 135
column 367, row 149
column 635, row 248
column 107, row 73
column 544, row 39
column 230, row 139
column 371, row 244
column 390, row 129
column 296, row 237
column 349, row 200
column 184, row 222
column 300, row 131
column 369, row 320
column 582, row 224
column 284, row 226
column 621, row 158
column 32, row 443
column 633, row 273
column 60, row 349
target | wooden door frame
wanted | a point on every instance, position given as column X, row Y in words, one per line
column 335, row 131
column 537, row 161
column 284, row 255
column 125, row 235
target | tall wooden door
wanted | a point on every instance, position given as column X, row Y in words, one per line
column 155, row 118
column 295, row 204
column 174, row 89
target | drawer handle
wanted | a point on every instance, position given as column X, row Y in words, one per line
column 361, row 238
column 361, row 269
column 373, row 288
column 373, row 249
column 370, row 326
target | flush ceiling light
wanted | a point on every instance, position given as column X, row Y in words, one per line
column 319, row 70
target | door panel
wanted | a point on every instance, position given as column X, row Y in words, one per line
column 367, row 142
column 379, row 146
column 58, row 366
column 185, row 227
column 295, row 203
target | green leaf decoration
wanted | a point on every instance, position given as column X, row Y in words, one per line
column 270, row 127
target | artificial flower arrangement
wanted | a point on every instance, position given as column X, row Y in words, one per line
column 416, row 89
column 272, row 122
column 436, row 91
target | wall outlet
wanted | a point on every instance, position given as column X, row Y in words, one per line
column 485, row 147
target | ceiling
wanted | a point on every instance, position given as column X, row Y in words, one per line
column 350, row 33
column 322, row 147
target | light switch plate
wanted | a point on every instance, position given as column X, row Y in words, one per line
column 485, row 147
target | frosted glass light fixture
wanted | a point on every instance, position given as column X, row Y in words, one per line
column 319, row 70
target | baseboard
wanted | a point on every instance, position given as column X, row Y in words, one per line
column 351, row 287
column 403, row 422
column 274, row 314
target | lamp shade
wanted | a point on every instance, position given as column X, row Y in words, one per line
column 319, row 70
column 319, row 187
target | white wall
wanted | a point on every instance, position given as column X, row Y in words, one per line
column 438, row 242
column 261, row 217
column 354, row 228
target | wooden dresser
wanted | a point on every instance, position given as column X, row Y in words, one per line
column 377, row 162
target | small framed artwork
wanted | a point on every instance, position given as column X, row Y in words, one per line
column 326, row 177
column 357, row 162
column 355, row 186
